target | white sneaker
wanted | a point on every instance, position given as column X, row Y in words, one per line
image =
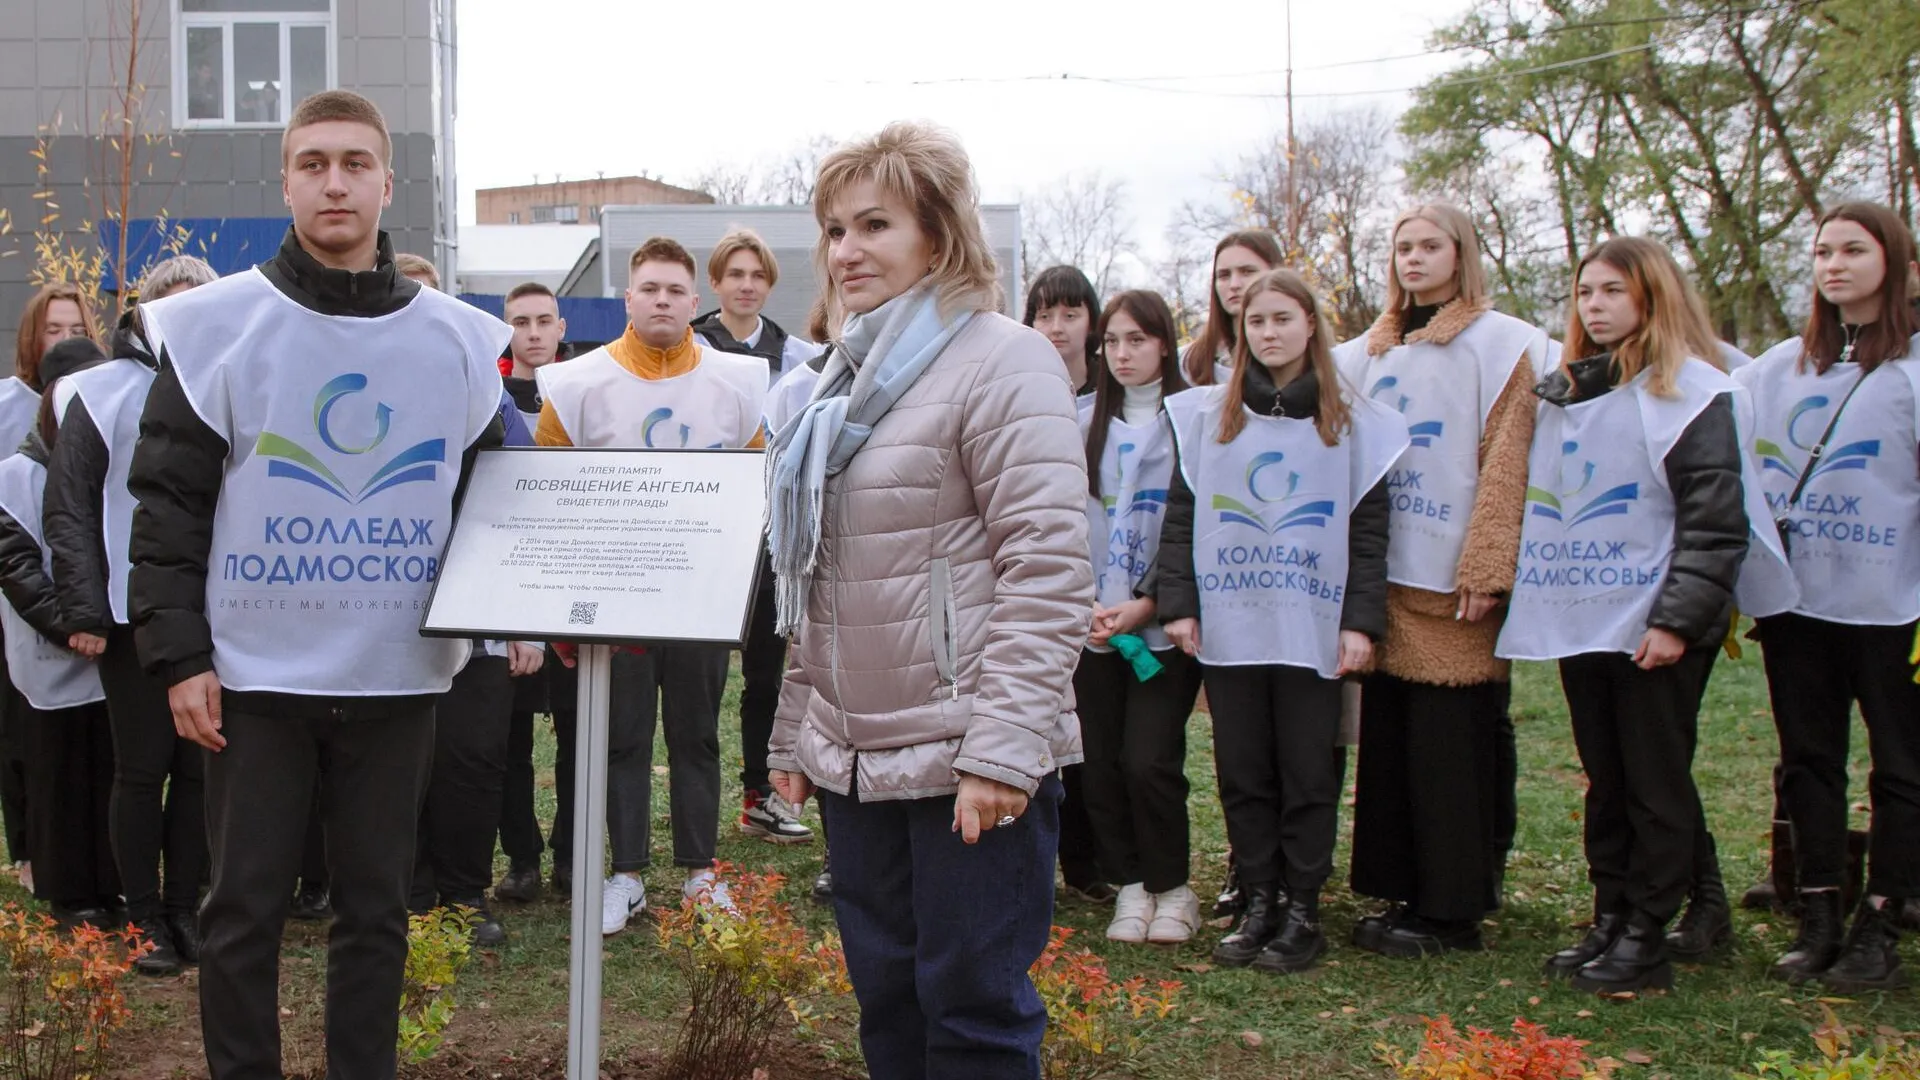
column 1176, row 916
column 621, row 898
column 1132, row 911
column 706, row 889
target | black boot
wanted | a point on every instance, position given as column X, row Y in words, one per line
column 1258, row 926
column 1637, row 960
column 520, row 883
column 185, row 928
column 1366, row 932
column 163, row 958
column 311, row 904
column 1870, row 960
column 1300, row 943
column 1818, row 945
column 823, row 884
column 1413, row 936
column 1606, row 930
column 1909, row 915
column 1706, row 924
column 1232, row 900
column 487, row 933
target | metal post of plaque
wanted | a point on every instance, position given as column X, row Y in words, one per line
column 601, row 548
column 589, row 834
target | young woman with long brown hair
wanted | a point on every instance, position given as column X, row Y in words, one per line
column 1134, row 727
column 1434, row 810
column 1838, row 425
column 1637, row 526
column 1272, row 571
column 1238, row 258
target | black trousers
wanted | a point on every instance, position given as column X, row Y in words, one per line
column 1133, row 783
column 313, row 849
column 13, row 767
column 1274, row 730
column 1636, row 732
column 461, row 815
column 763, row 666
column 1816, row 672
column 69, row 786
column 1429, row 801
column 677, row 687
column 372, row 758
column 553, row 689
column 158, row 780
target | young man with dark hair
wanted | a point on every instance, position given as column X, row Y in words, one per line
column 658, row 387
column 538, row 331
column 300, row 457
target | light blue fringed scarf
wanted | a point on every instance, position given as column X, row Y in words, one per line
column 880, row 356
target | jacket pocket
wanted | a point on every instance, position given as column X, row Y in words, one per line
column 942, row 625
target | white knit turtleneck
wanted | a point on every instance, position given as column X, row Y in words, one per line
column 1141, row 404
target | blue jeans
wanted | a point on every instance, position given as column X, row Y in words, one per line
column 939, row 935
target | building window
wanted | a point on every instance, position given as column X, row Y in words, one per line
column 513, row 217
column 593, row 214
column 542, row 215
column 245, row 63
column 568, row 214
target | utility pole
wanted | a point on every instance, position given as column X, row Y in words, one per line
column 1293, row 187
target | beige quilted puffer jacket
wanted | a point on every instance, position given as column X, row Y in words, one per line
column 953, row 591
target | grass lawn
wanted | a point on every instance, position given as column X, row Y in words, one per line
column 1328, row 1023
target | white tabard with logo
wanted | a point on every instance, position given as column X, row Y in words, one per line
column 1270, row 518
column 1597, row 536
column 718, row 404
column 114, row 394
column 1856, row 529
column 45, row 673
column 18, row 406
column 1124, row 522
column 346, row 436
column 1446, row 393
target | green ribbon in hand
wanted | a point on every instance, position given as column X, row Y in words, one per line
column 1145, row 664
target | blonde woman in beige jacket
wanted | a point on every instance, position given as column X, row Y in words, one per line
column 929, row 536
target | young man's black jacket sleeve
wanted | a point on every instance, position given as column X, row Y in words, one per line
column 72, row 523
column 178, row 467
column 1710, row 528
column 24, row 581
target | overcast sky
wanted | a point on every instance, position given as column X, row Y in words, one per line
column 579, row 87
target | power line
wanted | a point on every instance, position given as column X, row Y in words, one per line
column 1144, row 82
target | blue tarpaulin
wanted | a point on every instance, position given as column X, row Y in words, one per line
column 589, row 318
column 228, row 244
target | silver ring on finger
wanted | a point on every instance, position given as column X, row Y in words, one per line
column 1005, row 821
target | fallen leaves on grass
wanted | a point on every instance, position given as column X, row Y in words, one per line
column 1252, row 1040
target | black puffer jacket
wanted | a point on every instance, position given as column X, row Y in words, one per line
column 75, row 511
column 1177, row 595
column 23, row 574
column 179, row 467
column 1710, row 527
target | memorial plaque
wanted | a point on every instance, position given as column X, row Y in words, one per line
column 611, row 546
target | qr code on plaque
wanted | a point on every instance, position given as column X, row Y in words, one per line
column 584, row 613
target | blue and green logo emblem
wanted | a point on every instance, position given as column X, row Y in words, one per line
column 1269, row 517
column 1423, row 432
column 1773, row 456
column 1562, row 507
column 292, row 461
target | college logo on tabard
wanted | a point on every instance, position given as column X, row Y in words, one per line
column 1151, row 500
column 1570, row 508
column 1424, row 432
column 1273, row 495
column 658, row 430
column 1774, row 456
column 292, row 461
